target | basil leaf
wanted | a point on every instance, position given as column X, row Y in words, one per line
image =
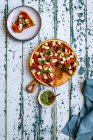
column 42, row 71
column 20, row 20
column 67, row 66
column 42, row 61
column 59, row 48
column 65, row 56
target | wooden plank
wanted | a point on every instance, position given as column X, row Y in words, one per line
column 3, row 71
column 63, row 33
column 30, row 124
column 46, row 116
column 14, row 85
column 89, row 60
column 78, row 41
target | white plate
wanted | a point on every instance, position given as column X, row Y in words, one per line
column 29, row 33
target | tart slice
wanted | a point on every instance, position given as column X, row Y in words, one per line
column 23, row 22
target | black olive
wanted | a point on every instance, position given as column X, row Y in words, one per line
column 33, row 67
column 63, row 49
column 48, row 80
column 57, row 64
column 72, row 63
column 39, row 56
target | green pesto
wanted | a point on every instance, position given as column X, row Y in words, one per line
column 46, row 97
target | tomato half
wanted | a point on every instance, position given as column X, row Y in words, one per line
column 70, row 60
column 35, row 58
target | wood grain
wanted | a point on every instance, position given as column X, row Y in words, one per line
column 14, row 84
column 63, row 32
column 3, row 70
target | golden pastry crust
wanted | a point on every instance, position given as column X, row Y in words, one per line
column 61, row 76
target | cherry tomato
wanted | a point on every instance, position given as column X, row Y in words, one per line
column 56, row 47
column 41, row 49
column 35, row 67
column 47, row 66
column 70, row 60
column 25, row 15
column 15, row 28
column 38, row 76
column 35, row 58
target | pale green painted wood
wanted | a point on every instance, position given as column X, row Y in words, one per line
column 63, row 32
column 90, row 38
column 14, row 85
column 30, row 101
column 78, row 41
column 46, row 116
column 3, row 67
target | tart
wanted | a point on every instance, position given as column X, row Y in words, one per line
column 23, row 22
column 53, row 62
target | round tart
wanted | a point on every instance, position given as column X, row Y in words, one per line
column 53, row 62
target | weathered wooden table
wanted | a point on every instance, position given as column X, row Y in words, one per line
column 21, row 117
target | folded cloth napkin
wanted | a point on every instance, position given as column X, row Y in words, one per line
column 81, row 127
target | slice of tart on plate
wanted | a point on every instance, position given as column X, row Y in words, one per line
column 23, row 22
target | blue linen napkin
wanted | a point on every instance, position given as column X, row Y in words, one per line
column 81, row 127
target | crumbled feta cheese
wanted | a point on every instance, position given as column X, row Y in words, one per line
column 32, row 60
column 43, row 46
column 59, row 43
column 65, row 50
column 68, row 58
column 50, row 69
column 46, row 44
column 70, row 71
column 70, row 68
column 45, row 77
column 46, row 68
column 39, row 59
column 38, row 72
column 41, row 54
column 62, row 62
column 58, row 52
column 72, row 53
column 51, row 74
column 47, row 63
column 20, row 26
column 46, row 47
column 51, row 83
column 75, row 64
column 36, row 52
column 40, row 67
column 54, row 60
column 55, row 54
column 71, row 56
column 43, row 58
column 26, row 20
column 33, row 71
column 62, row 53
column 53, row 43
column 64, row 59
column 20, row 16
